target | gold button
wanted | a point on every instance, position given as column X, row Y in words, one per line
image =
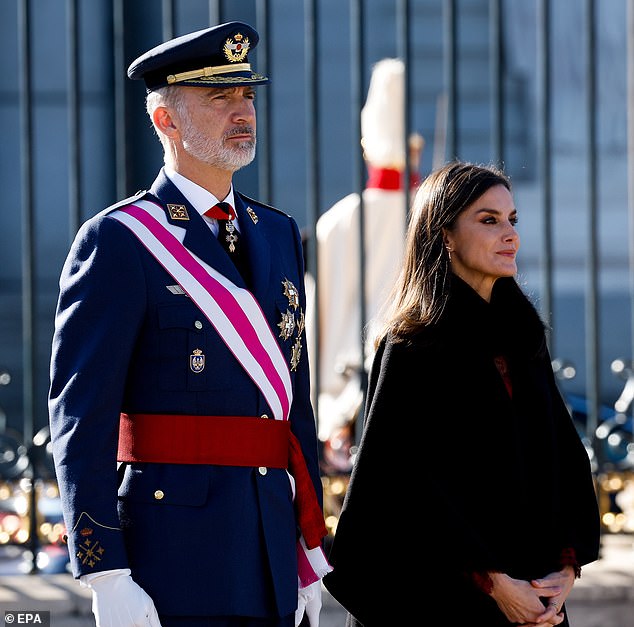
column 263, row 416
column 159, row 494
column 198, row 324
column 262, row 470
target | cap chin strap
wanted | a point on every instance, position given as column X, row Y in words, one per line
column 208, row 71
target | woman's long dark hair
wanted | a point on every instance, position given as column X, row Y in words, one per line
column 420, row 293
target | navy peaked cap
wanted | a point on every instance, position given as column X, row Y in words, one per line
column 212, row 57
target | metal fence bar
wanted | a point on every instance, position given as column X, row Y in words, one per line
column 357, row 94
column 263, row 103
column 311, row 52
column 496, row 73
column 544, row 163
column 629, row 69
column 28, row 232
column 74, row 132
column 451, row 78
column 403, row 40
column 119, row 98
column 29, row 306
column 592, row 296
column 168, row 19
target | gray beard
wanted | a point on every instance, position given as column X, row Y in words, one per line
column 215, row 152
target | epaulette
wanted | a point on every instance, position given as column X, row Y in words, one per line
column 126, row 201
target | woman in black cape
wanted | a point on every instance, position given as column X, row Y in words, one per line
column 471, row 497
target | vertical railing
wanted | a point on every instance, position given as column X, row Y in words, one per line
column 28, row 258
column 119, row 99
column 311, row 70
column 264, row 102
column 74, row 130
column 450, row 55
column 496, row 74
column 403, row 41
column 544, row 162
column 630, row 161
column 592, row 295
column 168, row 19
column 357, row 95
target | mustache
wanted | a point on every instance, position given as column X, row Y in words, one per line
column 240, row 130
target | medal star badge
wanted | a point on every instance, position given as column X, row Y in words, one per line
column 290, row 291
column 286, row 325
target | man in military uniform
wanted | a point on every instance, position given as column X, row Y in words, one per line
column 183, row 434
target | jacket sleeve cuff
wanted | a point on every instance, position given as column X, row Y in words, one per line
column 568, row 557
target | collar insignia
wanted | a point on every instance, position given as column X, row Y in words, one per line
column 178, row 212
column 253, row 215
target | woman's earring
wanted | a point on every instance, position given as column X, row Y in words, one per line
column 449, row 249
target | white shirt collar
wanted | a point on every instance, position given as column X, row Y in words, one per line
column 198, row 196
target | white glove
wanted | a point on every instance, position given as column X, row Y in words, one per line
column 309, row 601
column 117, row 601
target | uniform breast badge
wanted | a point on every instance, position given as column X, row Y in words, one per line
column 197, row 361
column 178, row 212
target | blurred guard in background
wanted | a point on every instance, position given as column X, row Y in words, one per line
column 179, row 352
column 385, row 214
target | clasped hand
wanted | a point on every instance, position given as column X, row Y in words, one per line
column 522, row 602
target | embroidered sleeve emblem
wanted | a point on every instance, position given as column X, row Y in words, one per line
column 90, row 553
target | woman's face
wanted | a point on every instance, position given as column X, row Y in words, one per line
column 483, row 242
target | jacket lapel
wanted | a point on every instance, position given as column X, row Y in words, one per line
column 256, row 246
column 198, row 237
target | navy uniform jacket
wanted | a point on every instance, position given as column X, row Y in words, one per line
column 200, row 539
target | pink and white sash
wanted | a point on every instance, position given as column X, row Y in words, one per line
column 237, row 317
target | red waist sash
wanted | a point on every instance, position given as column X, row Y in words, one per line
column 186, row 439
column 226, row 441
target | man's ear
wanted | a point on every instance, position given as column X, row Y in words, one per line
column 163, row 121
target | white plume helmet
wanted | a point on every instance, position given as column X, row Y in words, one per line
column 382, row 118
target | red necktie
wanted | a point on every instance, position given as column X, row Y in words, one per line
column 225, row 213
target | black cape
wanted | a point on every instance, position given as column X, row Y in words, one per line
column 455, row 476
